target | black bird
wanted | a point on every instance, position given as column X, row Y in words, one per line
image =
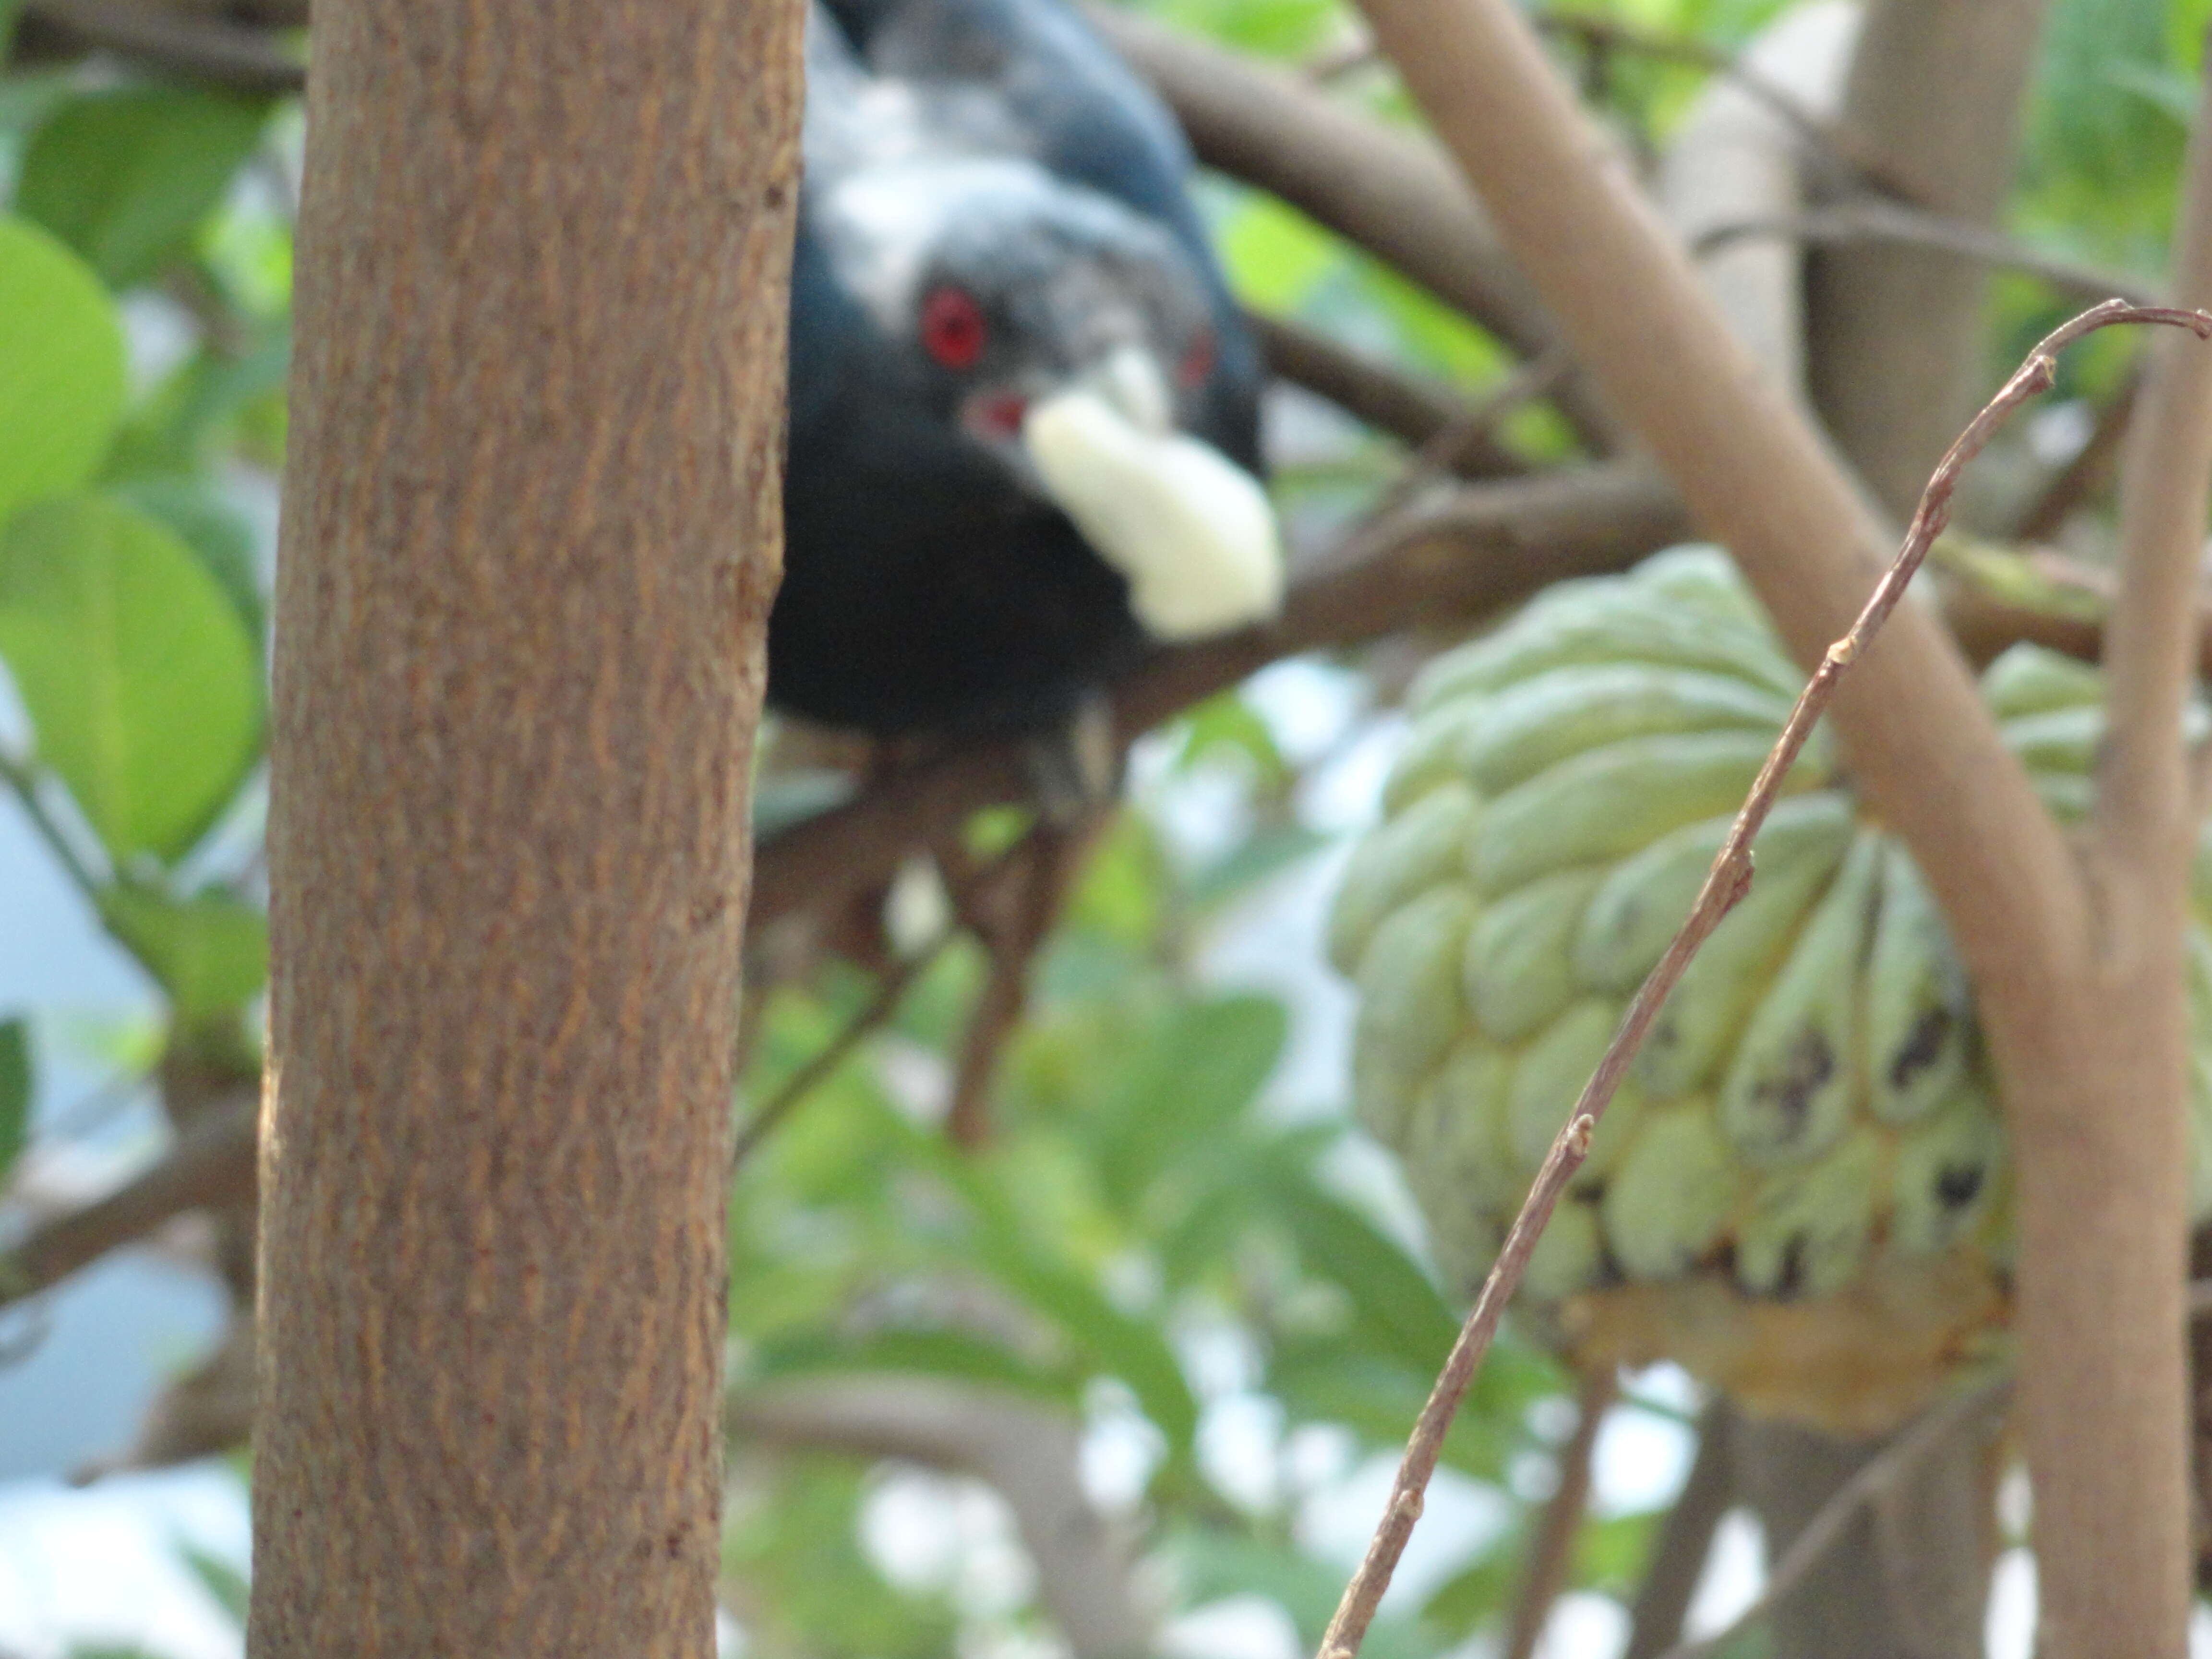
column 1023, row 409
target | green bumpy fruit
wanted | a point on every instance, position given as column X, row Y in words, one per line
column 1799, row 1192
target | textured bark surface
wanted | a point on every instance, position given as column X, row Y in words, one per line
column 532, row 531
column 1896, row 346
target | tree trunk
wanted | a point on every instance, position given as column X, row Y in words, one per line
column 1896, row 348
column 532, row 532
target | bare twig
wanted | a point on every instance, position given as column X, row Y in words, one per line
column 1726, row 882
column 1552, row 1551
column 1468, row 435
column 1410, row 408
column 1874, row 219
column 1955, row 1416
column 1685, row 1541
column 873, row 1015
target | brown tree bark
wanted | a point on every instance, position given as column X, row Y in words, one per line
column 532, row 531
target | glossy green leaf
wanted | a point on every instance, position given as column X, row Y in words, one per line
column 61, row 367
column 1398, row 1310
column 15, row 1090
column 210, row 954
column 142, row 684
column 124, row 175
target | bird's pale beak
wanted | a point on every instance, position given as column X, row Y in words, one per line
column 1190, row 530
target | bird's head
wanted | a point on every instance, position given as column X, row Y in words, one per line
column 1069, row 341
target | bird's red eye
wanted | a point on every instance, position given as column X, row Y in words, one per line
column 952, row 329
column 1197, row 365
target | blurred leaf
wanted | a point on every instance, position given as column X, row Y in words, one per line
column 947, row 1353
column 143, row 685
column 125, row 175
column 225, row 1582
column 1211, row 1563
column 61, row 367
column 1274, row 255
column 1201, row 1068
column 807, row 1588
column 212, row 528
column 209, row 401
column 15, row 1090
column 1228, row 722
column 210, row 954
column 1611, row 1552
column 1398, row 1310
column 1480, row 1593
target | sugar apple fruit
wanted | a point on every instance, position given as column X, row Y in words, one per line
column 1800, row 1193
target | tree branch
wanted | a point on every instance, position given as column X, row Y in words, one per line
column 1469, row 553
column 1871, row 219
column 1389, row 192
column 2103, row 1201
column 1894, row 347
column 210, row 51
column 1410, row 408
column 1828, row 1529
column 210, row 1165
column 1733, row 157
column 1028, row 1452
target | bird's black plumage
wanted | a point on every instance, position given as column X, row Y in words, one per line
column 993, row 210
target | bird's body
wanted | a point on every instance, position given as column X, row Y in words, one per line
column 1005, row 321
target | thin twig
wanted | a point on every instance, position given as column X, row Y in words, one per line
column 1598, row 33
column 1877, row 219
column 1471, row 432
column 1726, row 882
column 891, row 991
column 1552, row 1551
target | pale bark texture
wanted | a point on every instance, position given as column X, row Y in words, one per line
column 532, row 531
column 1933, row 112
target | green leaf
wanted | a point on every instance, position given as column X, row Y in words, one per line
column 142, row 683
column 61, row 367
column 210, row 954
column 212, row 528
column 124, row 175
column 225, row 1582
column 15, row 1090
column 1398, row 1310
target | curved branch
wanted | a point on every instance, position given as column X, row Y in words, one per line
column 1028, row 1452
column 210, row 1165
